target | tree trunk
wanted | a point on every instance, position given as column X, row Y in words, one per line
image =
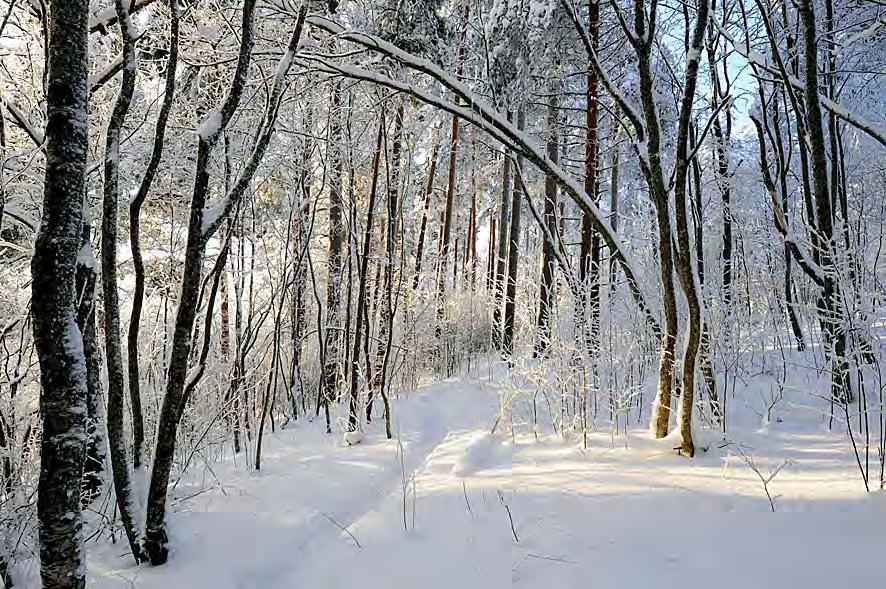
column 686, row 270
column 501, row 251
column 721, row 158
column 707, row 368
column 332, row 372
column 471, row 237
column 361, row 314
column 134, row 373
column 386, row 318
column 783, row 169
column 446, row 235
column 299, row 312
column 652, row 171
column 113, row 351
column 491, row 256
column 546, row 290
column 423, row 227
column 210, row 131
column 613, row 207
column 830, row 302
column 589, row 264
column 94, row 464
column 513, row 253
column 57, row 339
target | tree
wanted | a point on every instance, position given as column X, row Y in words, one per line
column 546, row 287
column 200, row 229
column 113, row 352
column 57, row 338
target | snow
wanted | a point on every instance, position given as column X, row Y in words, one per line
column 213, row 211
column 482, row 452
column 862, row 36
column 283, row 67
column 449, row 504
column 73, row 343
column 353, row 438
column 873, row 129
column 85, row 257
column 479, row 114
column 210, row 126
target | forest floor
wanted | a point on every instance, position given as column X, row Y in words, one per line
column 447, row 504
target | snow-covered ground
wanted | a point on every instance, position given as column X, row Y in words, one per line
column 450, row 505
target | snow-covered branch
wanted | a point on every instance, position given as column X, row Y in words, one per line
column 479, row 113
column 875, row 131
column 216, row 212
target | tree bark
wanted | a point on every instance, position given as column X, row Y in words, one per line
column 386, row 318
column 546, row 289
column 299, row 311
column 57, row 340
column 134, row 372
column 654, row 174
column 446, row 235
column 111, row 299
column 361, row 314
column 332, row 372
column 830, row 302
column 783, row 169
column 198, row 233
column 589, row 265
column 501, row 251
column 94, row 464
column 423, row 227
column 686, row 270
column 513, row 253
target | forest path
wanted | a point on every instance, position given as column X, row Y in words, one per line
column 232, row 527
column 464, row 508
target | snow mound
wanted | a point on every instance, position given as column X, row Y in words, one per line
column 353, row 438
column 482, row 452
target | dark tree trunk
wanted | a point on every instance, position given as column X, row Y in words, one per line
column 783, row 169
column 830, row 302
column 334, row 337
column 94, row 464
column 685, row 268
column 362, row 275
column 423, row 228
column 654, row 174
column 721, row 157
column 470, row 267
column 446, row 235
column 491, row 256
column 589, row 261
column 113, row 351
column 299, row 311
column 386, row 318
column 57, row 339
column 198, row 234
column 707, row 367
column 134, row 372
column 513, row 253
column 613, row 208
column 546, row 290
column 501, row 251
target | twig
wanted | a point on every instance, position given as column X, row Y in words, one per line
column 342, row 528
column 501, row 498
column 464, row 489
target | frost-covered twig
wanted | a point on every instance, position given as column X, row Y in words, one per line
column 870, row 128
column 765, row 479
